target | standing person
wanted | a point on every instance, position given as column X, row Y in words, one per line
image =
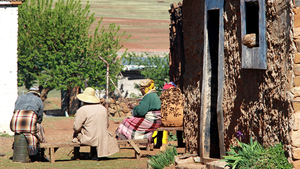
column 27, row 119
column 146, row 116
column 90, row 127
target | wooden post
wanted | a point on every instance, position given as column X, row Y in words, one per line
column 52, row 159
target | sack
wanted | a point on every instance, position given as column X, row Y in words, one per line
column 24, row 121
column 172, row 107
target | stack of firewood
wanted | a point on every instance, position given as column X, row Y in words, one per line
column 119, row 108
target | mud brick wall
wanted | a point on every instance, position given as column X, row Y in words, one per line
column 256, row 102
column 259, row 102
column 193, row 16
column 296, row 91
column 176, row 56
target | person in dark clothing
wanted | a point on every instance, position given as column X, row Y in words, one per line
column 27, row 119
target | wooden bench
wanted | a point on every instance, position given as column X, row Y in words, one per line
column 178, row 131
column 122, row 144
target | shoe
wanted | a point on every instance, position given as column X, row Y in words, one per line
column 93, row 158
column 75, row 158
column 102, row 158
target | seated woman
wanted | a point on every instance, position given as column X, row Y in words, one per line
column 146, row 116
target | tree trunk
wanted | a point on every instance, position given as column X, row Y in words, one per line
column 65, row 99
column 74, row 102
column 44, row 93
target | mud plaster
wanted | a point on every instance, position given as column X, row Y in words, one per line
column 193, row 16
column 258, row 102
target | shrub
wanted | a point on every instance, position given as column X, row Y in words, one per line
column 254, row 155
column 163, row 159
column 172, row 137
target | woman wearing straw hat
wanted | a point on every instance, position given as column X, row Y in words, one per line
column 90, row 126
column 146, row 116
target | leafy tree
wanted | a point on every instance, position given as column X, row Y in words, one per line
column 57, row 50
column 152, row 67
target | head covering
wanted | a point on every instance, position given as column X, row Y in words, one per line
column 88, row 96
column 169, row 85
column 147, row 84
column 35, row 90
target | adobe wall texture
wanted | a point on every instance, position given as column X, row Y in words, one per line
column 193, row 16
column 258, row 102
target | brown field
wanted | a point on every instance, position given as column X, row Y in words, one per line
column 146, row 35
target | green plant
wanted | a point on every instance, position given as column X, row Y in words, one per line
column 276, row 157
column 163, row 159
column 133, row 95
column 152, row 67
column 5, row 135
column 254, row 156
column 172, row 137
column 57, row 50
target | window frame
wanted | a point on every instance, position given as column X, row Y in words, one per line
column 254, row 57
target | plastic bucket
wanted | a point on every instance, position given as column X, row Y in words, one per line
column 20, row 149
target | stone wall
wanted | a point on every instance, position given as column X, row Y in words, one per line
column 296, row 91
column 176, row 56
column 8, row 64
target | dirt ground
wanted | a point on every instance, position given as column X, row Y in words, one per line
column 60, row 129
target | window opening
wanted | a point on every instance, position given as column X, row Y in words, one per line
column 252, row 20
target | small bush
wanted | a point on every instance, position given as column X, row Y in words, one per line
column 163, row 159
column 254, row 155
column 6, row 135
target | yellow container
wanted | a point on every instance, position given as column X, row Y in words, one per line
column 165, row 137
column 154, row 136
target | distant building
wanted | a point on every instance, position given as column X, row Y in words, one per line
column 130, row 76
column 9, row 59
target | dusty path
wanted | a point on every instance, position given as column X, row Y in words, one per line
column 60, row 129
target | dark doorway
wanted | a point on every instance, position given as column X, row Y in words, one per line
column 213, row 55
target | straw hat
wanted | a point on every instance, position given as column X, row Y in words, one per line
column 35, row 90
column 88, row 96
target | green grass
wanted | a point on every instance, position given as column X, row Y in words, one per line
column 51, row 119
column 51, row 94
column 5, row 135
